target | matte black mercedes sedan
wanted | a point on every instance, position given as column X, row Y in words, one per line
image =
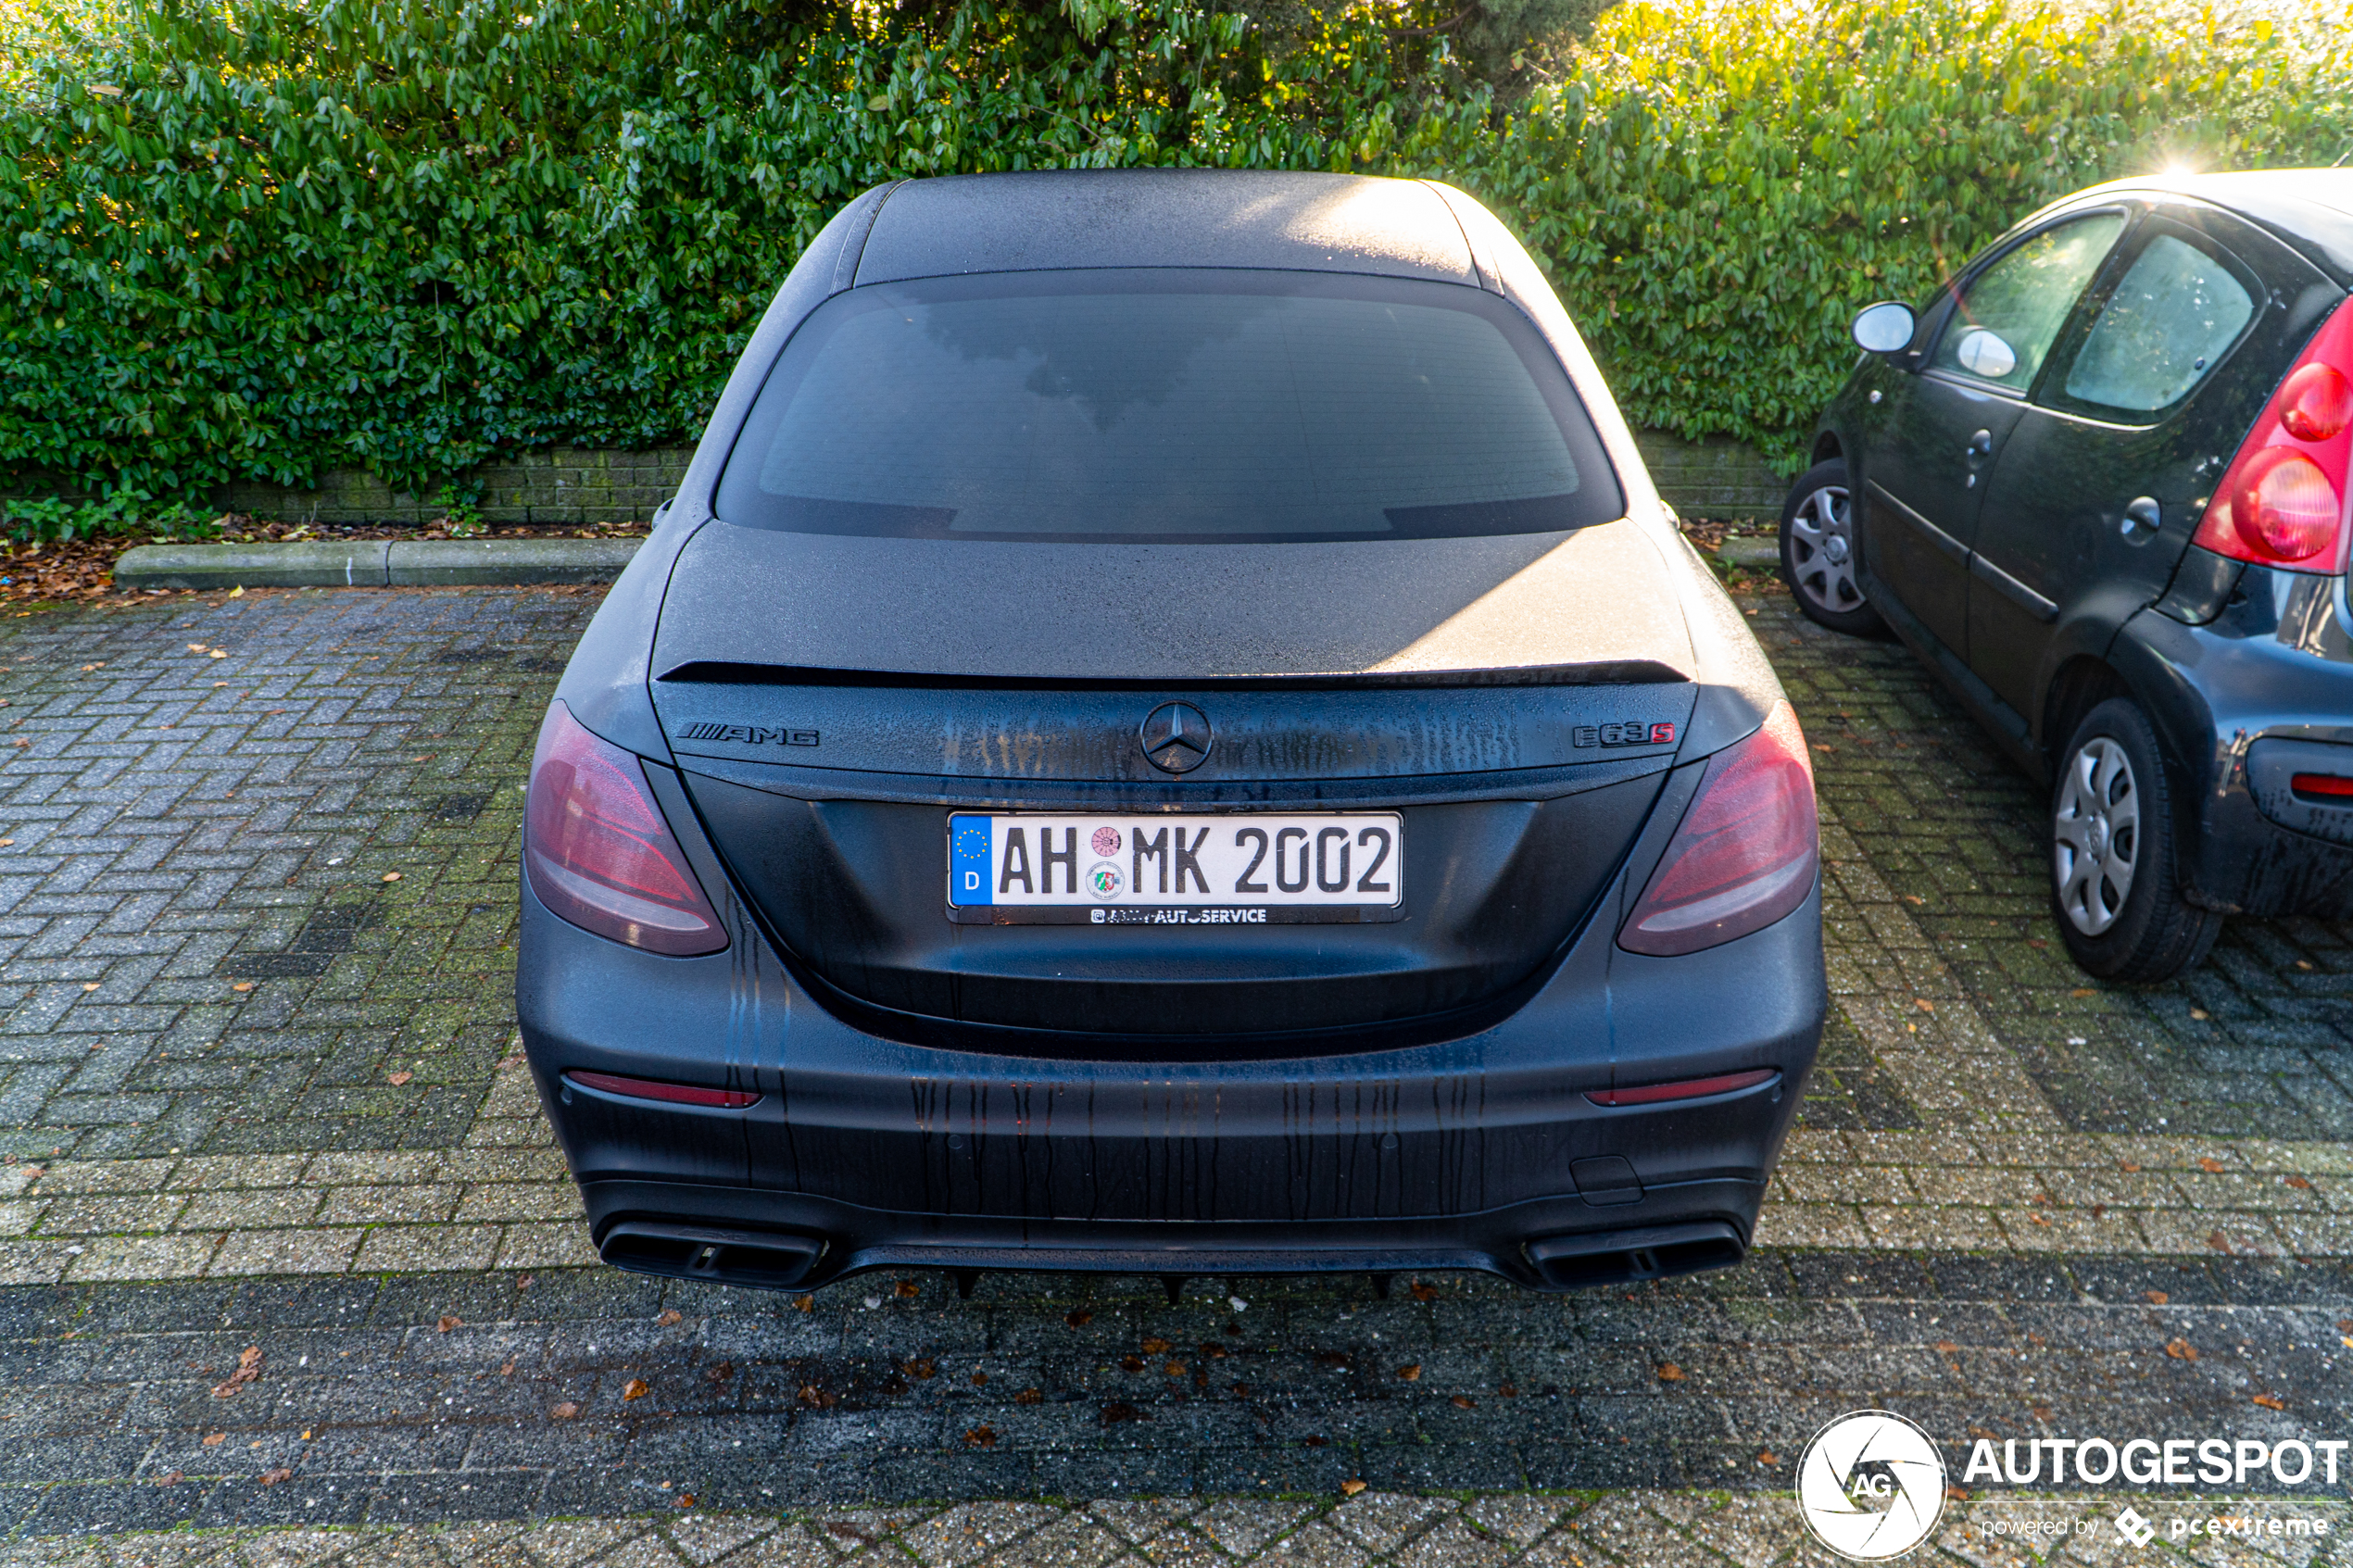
column 1167, row 731
column 2099, row 483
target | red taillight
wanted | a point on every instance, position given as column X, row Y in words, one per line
column 2285, row 507
column 1745, row 853
column 653, row 1088
column 2316, row 402
column 2323, row 786
column 2281, row 502
column 1687, row 1088
column 599, row 852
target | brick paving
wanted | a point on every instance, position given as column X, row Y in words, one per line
column 2012, row 1189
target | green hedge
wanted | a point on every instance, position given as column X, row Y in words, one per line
column 259, row 239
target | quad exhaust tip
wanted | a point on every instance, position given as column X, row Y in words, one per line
column 772, row 1260
column 1577, row 1262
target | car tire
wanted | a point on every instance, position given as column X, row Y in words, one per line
column 1818, row 552
column 2116, row 886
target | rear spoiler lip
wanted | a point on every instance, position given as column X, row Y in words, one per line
column 1604, row 672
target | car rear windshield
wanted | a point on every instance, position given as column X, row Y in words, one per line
column 1167, row 407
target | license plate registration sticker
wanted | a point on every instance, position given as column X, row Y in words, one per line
column 1242, row 868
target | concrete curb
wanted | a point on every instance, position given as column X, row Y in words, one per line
column 375, row 563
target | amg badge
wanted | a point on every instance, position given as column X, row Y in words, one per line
column 749, row 735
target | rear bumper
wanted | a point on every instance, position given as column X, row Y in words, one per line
column 2236, row 702
column 864, row 1152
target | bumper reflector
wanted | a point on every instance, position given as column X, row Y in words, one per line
column 674, row 1094
column 2328, row 787
column 1687, row 1088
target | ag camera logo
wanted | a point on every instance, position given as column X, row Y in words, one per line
column 1870, row 1485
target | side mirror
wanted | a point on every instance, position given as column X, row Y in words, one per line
column 1885, row 328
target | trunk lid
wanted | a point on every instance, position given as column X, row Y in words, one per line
column 832, row 700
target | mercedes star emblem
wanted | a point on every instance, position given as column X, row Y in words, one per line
column 1176, row 737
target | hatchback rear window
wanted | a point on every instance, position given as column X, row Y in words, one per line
column 1167, row 407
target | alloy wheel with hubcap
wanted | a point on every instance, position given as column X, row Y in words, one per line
column 2095, row 836
column 1818, row 551
column 2116, row 875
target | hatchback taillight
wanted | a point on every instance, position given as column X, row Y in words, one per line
column 599, row 851
column 1745, row 853
column 2283, row 501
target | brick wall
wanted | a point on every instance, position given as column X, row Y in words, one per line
column 567, row 485
column 1715, row 478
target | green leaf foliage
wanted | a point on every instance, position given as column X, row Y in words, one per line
column 259, row 239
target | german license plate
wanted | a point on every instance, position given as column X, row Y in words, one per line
column 1227, row 870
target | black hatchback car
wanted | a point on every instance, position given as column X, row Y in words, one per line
column 1167, row 731
column 2098, row 484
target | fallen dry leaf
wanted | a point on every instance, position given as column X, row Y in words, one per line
column 216, row 1439
column 1030, row 1397
column 172, row 1479
column 908, row 1289
column 1079, row 1318
column 248, row 1369
column 1409, row 1374
column 449, row 1321
column 1175, row 1369
column 396, row 1079
column 806, row 1303
column 1115, row 1413
column 218, row 653
column 2181, row 1349
column 2083, row 991
column 2159, row 1296
column 980, row 1379
column 2128, row 1164
column 669, row 1315
column 2200, row 1014
column 1423, row 1292
column 564, row 1412
column 1923, row 1004
column 1155, row 1346
column 91, row 984
column 1131, row 1363
column 1464, row 1402
column 1669, row 1373
column 2210, row 1165
column 920, row 1368
column 982, row 1437
column 391, row 876
column 2218, row 1241
column 242, row 985
column 276, row 1473
column 685, row 1500
column 1949, row 1347
column 2298, row 1183
column 1349, row 1488
column 1768, row 1457
column 2270, row 1403
column 635, row 1390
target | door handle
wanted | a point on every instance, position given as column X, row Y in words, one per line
column 1981, row 443
column 2143, row 518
